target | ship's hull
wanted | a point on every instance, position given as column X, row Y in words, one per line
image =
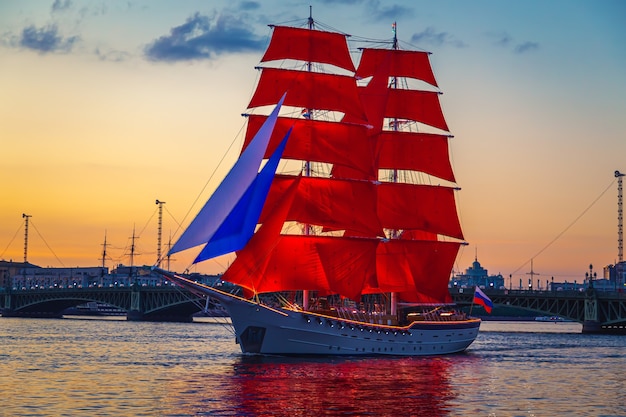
column 262, row 329
column 285, row 332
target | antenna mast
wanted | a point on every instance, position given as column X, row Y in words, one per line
column 620, row 225
column 26, row 217
column 160, row 203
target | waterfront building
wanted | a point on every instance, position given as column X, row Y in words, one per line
column 616, row 274
column 20, row 275
column 31, row 276
column 476, row 275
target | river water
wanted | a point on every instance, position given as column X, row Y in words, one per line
column 107, row 367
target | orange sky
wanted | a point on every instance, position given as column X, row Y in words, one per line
column 94, row 130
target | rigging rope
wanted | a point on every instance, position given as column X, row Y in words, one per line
column 12, row 239
column 225, row 324
column 567, row 228
column 46, row 243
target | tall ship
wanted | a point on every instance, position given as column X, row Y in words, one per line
column 343, row 234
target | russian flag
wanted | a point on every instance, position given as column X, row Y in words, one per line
column 481, row 299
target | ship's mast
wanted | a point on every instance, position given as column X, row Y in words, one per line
column 132, row 257
column 620, row 226
column 26, row 217
column 307, row 164
column 532, row 274
column 394, row 174
column 104, row 258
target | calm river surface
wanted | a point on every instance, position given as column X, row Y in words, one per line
column 80, row 367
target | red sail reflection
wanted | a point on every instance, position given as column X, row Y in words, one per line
column 374, row 386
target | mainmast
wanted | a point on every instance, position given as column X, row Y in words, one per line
column 307, row 164
column 394, row 173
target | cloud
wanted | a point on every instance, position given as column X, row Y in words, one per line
column 249, row 5
column 348, row 2
column 60, row 5
column 390, row 13
column 201, row 37
column 112, row 55
column 526, row 47
column 432, row 37
column 505, row 40
column 45, row 39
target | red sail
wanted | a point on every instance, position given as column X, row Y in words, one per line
column 422, row 152
column 349, row 264
column 418, row 270
column 310, row 46
column 420, row 207
column 417, row 235
column 319, row 141
column 411, row 64
column 421, row 106
column 328, row 264
column 425, row 266
column 334, row 204
column 363, row 207
column 248, row 269
column 308, row 90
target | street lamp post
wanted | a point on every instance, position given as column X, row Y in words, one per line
column 590, row 276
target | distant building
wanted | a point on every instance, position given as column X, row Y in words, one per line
column 19, row 275
column 33, row 276
column 9, row 269
column 616, row 274
column 476, row 275
column 613, row 279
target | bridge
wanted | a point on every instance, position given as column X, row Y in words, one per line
column 157, row 303
column 598, row 311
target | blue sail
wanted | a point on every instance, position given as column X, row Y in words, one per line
column 230, row 191
column 238, row 227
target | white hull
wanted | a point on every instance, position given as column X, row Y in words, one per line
column 265, row 330
column 284, row 332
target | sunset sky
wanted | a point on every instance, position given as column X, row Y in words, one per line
column 106, row 107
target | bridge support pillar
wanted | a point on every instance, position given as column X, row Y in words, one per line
column 135, row 313
column 592, row 327
column 7, row 306
column 591, row 323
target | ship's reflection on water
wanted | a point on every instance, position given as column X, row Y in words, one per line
column 276, row 386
